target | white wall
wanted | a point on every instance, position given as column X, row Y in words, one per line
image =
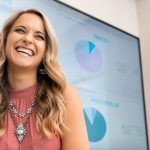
column 120, row 13
column 144, row 24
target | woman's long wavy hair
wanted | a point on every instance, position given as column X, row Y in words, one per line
column 50, row 106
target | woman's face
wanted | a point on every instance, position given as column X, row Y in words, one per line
column 26, row 42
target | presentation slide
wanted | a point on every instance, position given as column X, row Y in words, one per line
column 103, row 63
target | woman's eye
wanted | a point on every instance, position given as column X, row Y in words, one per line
column 40, row 37
column 19, row 30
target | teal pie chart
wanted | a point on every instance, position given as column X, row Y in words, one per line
column 95, row 123
column 88, row 55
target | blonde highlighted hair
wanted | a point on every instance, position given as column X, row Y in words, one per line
column 50, row 106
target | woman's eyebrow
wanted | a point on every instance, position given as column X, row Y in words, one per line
column 20, row 26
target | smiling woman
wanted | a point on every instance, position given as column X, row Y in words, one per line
column 37, row 107
column 26, row 43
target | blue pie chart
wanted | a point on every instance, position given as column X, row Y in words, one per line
column 88, row 55
column 95, row 123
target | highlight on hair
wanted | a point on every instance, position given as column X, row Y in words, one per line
column 50, row 105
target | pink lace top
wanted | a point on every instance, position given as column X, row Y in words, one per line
column 32, row 141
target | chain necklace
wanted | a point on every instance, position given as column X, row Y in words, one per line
column 20, row 131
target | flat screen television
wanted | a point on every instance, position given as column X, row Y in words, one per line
column 104, row 64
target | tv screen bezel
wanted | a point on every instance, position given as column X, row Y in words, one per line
column 139, row 52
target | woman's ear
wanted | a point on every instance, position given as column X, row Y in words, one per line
column 41, row 69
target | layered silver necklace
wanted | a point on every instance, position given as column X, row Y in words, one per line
column 20, row 131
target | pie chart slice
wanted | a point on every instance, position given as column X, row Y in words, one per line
column 95, row 123
column 88, row 56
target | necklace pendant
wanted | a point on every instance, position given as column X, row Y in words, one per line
column 14, row 111
column 20, row 132
column 21, row 115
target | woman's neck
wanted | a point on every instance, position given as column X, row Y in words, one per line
column 21, row 79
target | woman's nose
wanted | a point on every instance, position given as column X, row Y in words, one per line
column 28, row 38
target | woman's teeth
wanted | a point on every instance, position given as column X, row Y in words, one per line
column 25, row 51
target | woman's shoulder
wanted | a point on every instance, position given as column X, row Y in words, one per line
column 74, row 121
column 70, row 93
column 73, row 103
